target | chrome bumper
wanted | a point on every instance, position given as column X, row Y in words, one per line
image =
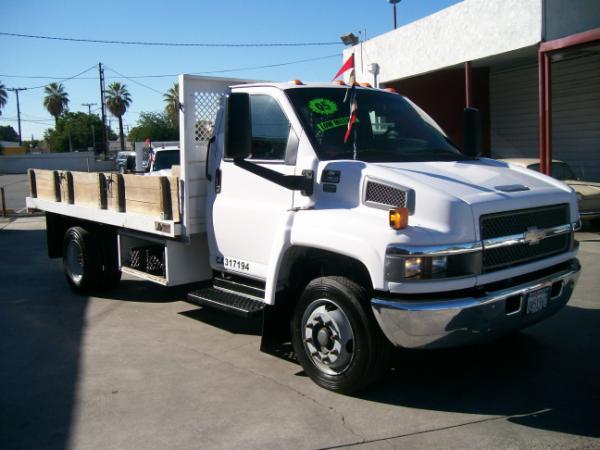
column 447, row 323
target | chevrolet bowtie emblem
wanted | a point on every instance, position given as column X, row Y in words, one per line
column 534, row 235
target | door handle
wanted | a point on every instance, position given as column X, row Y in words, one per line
column 218, row 181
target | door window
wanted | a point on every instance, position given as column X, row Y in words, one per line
column 270, row 128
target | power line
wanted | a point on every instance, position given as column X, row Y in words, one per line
column 61, row 80
column 135, row 81
column 171, row 75
column 174, row 44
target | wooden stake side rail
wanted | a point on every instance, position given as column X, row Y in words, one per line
column 153, row 201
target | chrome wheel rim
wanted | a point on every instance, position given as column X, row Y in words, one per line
column 74, row 261
column 328, row 337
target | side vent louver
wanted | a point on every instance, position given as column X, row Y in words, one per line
column 383, row 196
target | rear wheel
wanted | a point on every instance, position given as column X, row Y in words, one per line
column 335, row 336
column 81, row 260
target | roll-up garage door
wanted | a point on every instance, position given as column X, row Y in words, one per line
column 514, row 110
column 576, row 112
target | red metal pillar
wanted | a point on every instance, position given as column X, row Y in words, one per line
column 468, row 85
column 548, row 113
column 542, row 109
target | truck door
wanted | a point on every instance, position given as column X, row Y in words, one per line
column 247, row 211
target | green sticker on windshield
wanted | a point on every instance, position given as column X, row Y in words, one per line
column 322, row 106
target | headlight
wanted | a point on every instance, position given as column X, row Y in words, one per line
column 424, row 266
column 439, row 264
column 412, row 267
column 400, row 267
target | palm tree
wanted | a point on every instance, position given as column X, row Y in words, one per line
column 171, row 98
column 3, row 96
column 117, row 101
column 56, row 100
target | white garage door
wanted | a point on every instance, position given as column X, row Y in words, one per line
column 575, row 118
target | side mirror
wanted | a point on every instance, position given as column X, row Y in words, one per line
column 238, row 126
column 472, row 132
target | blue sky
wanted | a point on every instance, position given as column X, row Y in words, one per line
column 233, row 21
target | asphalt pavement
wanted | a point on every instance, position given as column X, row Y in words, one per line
column 139, row 368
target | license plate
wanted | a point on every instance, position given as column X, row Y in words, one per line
column 537, row 300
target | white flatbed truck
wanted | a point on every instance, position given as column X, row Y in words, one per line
column 394, row 238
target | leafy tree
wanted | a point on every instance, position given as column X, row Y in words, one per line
column 76, row 131
column 8, row 133
column 56, row 100
column 171, row 98
column 154, row 126
column 117, row 101
column 3, row 96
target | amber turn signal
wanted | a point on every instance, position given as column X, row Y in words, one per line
column 398, row 218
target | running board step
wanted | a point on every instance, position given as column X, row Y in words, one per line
column 226, row 301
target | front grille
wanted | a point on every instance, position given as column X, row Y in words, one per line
column 383, row 194
column 497, row 258
column 514, row 222
column 517, row 222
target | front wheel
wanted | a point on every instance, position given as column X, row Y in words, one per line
column 335, row 336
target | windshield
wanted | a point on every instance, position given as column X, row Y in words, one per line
column 389, row 128
column 165, row 159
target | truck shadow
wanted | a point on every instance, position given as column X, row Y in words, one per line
column 145, row 292
column 41, row 330
column 545, row 377
column 227, row 322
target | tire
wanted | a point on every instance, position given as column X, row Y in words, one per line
column 82, row 261
column 336, row 338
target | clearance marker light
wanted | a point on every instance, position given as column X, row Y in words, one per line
column 392, row 90
column 398, row 218
column 367, row 85
column 297, row 82
column 340, row 82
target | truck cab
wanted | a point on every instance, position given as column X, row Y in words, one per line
column 441, row 247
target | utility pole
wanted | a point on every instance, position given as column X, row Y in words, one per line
column 16, row 91
column 89, row 105
column 103, row 109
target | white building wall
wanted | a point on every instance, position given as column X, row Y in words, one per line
column 469, row 30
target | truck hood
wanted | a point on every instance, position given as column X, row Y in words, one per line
column 452, row 195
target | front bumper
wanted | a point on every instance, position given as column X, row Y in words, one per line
column 443, row 322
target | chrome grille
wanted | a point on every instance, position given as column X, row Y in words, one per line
column 511, row 223
column 385, row 195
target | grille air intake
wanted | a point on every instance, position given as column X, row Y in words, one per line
column 384, row 195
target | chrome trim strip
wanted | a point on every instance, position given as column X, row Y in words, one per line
column 399, row 250
column 521, row 238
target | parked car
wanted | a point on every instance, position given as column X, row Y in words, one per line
column 125, row 162
column 162, row 159
column 588, row 192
